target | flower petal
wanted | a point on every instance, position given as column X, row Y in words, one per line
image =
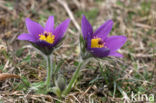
column 115, row 42
column 104, row 29
column 100, row 52
column 86, row 28
column 33, row 27
column 116, row 54
column 60, row 30
column 49, row 27
column 27, row 37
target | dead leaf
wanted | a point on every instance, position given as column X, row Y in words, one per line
column 5, row 76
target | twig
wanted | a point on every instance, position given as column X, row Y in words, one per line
column 75, row 98
column 138, row 55
column 77, row 3
column 14, row 37
column 144, row 26
column 125, row 96
column 5, row 76
column 65, row 5
column 86, row 91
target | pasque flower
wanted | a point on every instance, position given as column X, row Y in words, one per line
column 45, row 39
column 98, row 43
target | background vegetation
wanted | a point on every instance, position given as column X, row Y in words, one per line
column 101, row 81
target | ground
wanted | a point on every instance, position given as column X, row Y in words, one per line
column 109, row 80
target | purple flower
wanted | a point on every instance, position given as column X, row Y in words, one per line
column 45, row 39
column 98, row 43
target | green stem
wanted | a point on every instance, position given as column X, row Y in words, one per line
column 74, row 77
column 49, row 71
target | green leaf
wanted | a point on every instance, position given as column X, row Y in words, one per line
column 24, row 85
column 1, row 67
column 56, row 91
column 19, row 52
column 25, row 81
column 61, row 83
column 1, row 101
column 27, row 59
column 39, row 88
column 57, row 68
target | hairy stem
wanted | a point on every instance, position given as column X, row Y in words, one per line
column 49, row 71
column 74, row 77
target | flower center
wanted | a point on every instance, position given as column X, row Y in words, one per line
column 97, row 43
column 48, row 37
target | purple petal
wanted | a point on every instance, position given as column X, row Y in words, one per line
column 60, row 30
column 49, row 27
column 89, row 42
column 104, row 29
column 116, row 54
column 33, row 27
column 115, row 42
column 100, row 52
column 27, row 37
column 86, row 28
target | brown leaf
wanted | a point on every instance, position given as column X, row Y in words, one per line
column 5, row 76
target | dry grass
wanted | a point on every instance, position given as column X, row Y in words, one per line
column 135, row 72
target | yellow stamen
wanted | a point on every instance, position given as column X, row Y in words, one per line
column 95, row 43
column 48, row 37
